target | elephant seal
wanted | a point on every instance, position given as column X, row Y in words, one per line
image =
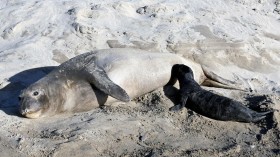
column 99, row 78
column 207, row 103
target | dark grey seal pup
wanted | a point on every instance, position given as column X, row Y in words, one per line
column 207, row 103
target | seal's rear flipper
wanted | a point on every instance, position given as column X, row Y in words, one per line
column 213, row 80
column 212, row 83
column 256, row 116
column 100, row 79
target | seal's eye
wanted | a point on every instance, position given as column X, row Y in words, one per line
column 35, row 93
column 19, row 98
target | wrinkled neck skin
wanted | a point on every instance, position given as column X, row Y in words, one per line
column 55, row 90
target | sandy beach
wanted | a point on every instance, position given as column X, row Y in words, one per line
column 236, row 40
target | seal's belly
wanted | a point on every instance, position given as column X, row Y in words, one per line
column 139, row 72
column 143, row 74
column 140, row 78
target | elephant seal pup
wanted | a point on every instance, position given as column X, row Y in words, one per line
column 207, row 103
column 101, row 77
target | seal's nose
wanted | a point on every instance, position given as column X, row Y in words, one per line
column 24, row 111
column 23, row 106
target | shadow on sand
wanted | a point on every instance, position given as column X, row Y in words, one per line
column 9, row 94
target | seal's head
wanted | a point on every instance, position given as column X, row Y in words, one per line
column 181, row 70
column 33, row 101
column 185, row 70
column 55, row 94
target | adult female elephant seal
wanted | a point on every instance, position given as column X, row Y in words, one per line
column 92, row 79
column 207, row 103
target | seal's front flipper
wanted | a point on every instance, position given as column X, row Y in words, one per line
column 100, row 79
column 180, row 106
column 176, row 108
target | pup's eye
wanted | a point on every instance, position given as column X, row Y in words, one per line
column 35, row 93
column 19, row 98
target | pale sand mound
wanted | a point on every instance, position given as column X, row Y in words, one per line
column 237, row 40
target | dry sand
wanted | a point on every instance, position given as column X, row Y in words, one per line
column 237, row 40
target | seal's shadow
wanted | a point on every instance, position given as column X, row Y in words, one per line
column 9, row 94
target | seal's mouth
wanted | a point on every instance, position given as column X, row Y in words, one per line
column 31, row 114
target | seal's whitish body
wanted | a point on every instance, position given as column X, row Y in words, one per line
column 139, row 72
column 209, row 104
column 85, row 81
